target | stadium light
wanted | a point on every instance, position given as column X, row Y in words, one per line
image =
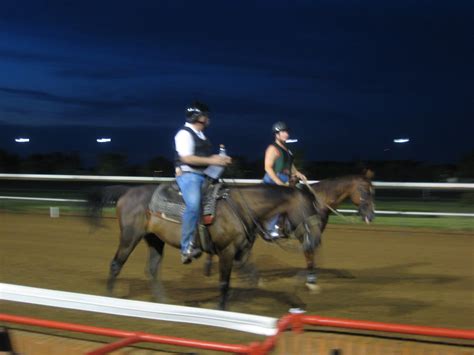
column 104, row 140
column 291, row 140
column 22, row 140
column 401, row 140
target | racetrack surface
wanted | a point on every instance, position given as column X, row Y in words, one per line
column 411, row 276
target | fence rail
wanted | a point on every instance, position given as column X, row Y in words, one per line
column 351, row 211
column 273, row 328
column 156, row 311
column 145, row 180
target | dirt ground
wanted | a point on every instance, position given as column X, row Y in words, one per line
column 410, row 276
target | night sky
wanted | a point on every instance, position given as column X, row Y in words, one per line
column 347, row 76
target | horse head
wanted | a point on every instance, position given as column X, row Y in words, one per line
column 363, row 196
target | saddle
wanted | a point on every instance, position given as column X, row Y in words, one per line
column 168, row 202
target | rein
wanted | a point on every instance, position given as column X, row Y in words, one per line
column 325, row 204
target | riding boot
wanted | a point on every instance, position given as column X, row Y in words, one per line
column 193, row 251
column 279, row 230
column 195, row 246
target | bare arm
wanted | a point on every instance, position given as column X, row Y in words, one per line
column 271, row 155
column 212, row 160
column 297, row 173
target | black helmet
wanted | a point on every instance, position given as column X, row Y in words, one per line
column 196, row 110
column 279, row 126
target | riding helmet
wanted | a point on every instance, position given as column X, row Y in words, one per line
column 279, row 126
column 196, row 110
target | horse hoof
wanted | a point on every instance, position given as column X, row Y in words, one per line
column 313, row 288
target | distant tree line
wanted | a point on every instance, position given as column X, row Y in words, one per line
column 118, row 164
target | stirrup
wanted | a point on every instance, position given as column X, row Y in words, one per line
column 196, row 253
column 193, row 251
column 186, row 259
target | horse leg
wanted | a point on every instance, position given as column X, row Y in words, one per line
column 155, row 248
column 128, row 241
column 242, row 265
column 226, row 260
column 311, row 277
column 208, row 265
column 247, row 268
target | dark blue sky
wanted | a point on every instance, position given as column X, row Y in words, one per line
column 347, row 76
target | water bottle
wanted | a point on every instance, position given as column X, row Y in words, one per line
column 216, row 171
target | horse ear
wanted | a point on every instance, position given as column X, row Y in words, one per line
column 369, row 174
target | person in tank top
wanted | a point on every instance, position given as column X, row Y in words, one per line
column 279, row 168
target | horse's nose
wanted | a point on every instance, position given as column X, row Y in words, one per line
column 369, row 218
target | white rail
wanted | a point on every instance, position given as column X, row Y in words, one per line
column 419, row 213
column 129, row 308
column 131, row 179
column 141, row 179
column 379, row 212
column 45, row 199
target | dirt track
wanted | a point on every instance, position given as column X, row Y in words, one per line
column 407, row 276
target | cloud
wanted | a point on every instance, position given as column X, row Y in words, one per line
column 85, row 102
column 26, row 56
column 99, row 74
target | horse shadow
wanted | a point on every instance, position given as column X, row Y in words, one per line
column 283, row 288
column 392, row 274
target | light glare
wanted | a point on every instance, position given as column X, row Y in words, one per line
column 401, row 140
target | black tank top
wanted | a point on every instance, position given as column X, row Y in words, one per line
column 284, row 162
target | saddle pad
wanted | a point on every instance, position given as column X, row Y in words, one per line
column 167, row 200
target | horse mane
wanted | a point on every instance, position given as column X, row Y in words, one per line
column 269, row 190
column 275, row 191
column 333, row 184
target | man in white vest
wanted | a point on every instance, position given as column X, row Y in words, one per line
column 193, row 156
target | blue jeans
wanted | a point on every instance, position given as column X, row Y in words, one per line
column 190, row 185
column 271, row 224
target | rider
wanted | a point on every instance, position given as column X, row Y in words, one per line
column 279, row 167
column 193, row 155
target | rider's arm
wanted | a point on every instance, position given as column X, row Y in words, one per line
column 184, row 144
column 297, row 173
column 271, row 155
column 211, row 160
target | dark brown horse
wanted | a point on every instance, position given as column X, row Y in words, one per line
column 238, row 217
column 330, row 194
column 358, row 188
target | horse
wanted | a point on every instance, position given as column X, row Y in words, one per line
column 239, row 214
column 330, row 193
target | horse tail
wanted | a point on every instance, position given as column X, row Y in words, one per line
column 97, row 199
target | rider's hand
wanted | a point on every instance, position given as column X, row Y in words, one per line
column 301, row 177
column 220, row 160
column 281, row 183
